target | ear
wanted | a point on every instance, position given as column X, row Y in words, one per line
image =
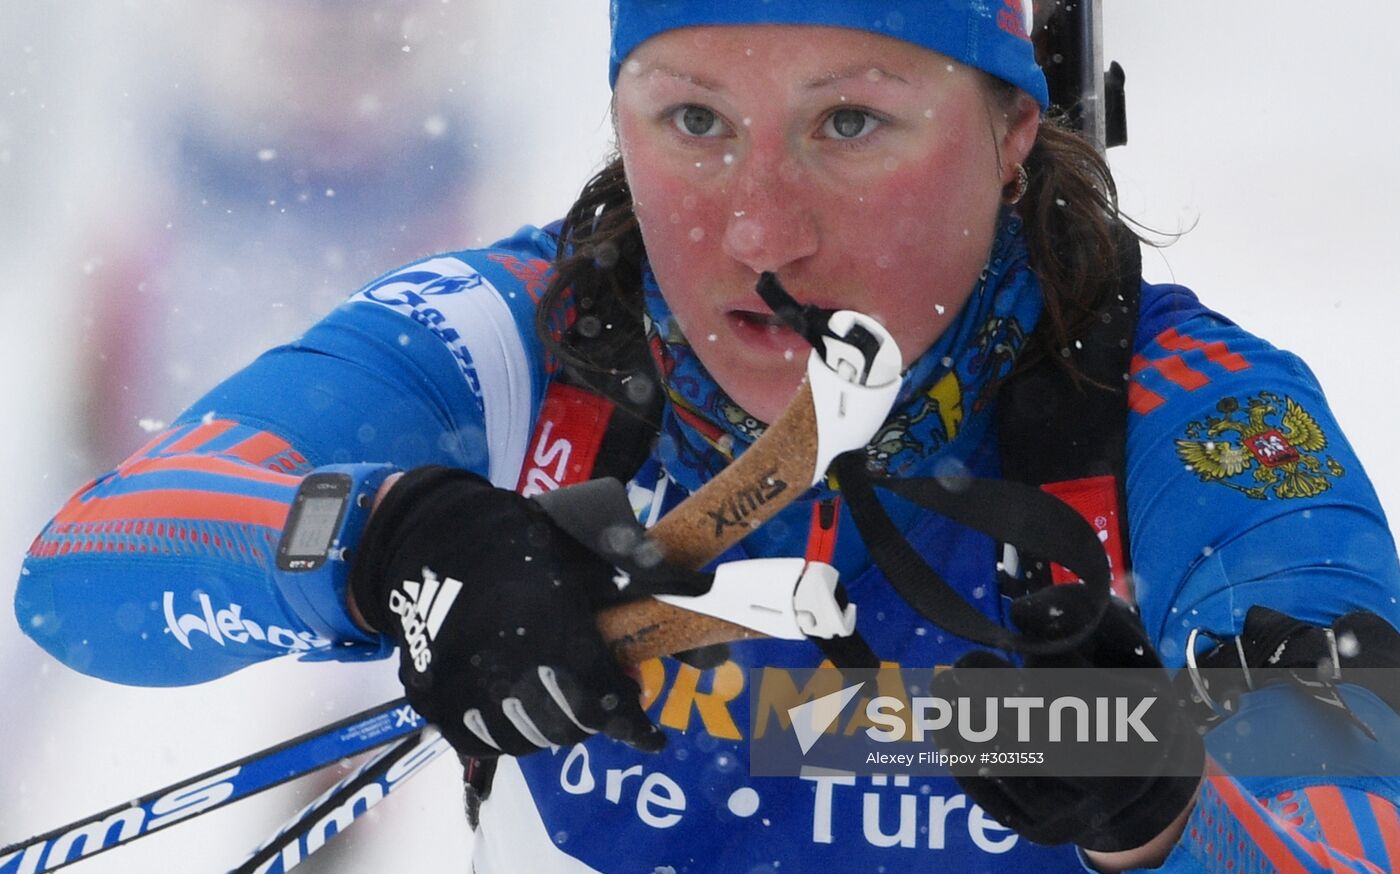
column 1018, row 137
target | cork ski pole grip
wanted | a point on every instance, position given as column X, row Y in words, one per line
column 750, row 491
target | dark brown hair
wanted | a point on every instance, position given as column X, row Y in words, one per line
column 1070, row 211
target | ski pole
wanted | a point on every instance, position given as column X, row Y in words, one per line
column 638, row 631
column 211, row 790
column 850, row 389
column 338, row 807
column 856, row 378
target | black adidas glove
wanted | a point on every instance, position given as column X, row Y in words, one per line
column 492, row 606
column 1109, row 814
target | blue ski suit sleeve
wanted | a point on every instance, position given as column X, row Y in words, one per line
column 1346, row 822
column 161, row 571
column 1242, row 490
column 1241, row 487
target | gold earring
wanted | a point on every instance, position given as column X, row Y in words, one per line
column 1017, row 188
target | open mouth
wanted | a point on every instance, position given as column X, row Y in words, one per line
column 766, row 334
column 756, row 321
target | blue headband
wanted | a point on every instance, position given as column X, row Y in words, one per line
column 989, row 35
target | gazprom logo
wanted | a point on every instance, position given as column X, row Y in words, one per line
column 409, row 287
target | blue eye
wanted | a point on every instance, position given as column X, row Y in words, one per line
column 697, row 121
column 849, row 124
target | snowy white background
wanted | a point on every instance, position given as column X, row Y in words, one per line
column 1268, row 129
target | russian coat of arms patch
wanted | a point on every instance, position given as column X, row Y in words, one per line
column 1267, row 447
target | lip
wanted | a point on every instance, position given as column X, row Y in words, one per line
column 755, row 331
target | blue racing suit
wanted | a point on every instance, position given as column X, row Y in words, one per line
column 1241, row 490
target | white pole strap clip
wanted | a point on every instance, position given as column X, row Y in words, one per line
column 786, row 598
column 852, row 395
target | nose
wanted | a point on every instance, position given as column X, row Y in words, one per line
column 770, row 225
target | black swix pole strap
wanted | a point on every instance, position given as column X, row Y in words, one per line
column 598, row 515
column 812, row 322
column 1008, row 511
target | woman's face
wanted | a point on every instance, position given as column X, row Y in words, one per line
column 866, row 172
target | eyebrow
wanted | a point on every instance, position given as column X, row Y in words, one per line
column 689, row 78
column 847, row 73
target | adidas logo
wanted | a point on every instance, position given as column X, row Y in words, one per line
column 421, row 608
